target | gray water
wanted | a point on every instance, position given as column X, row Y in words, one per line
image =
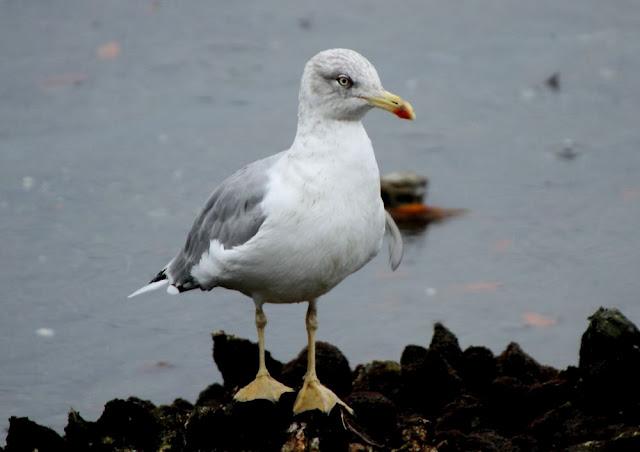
column 107, row 155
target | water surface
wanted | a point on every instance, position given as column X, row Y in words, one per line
column 118, row 118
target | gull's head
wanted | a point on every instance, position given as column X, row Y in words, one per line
column 341, row 84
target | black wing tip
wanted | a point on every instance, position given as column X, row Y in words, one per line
column 182, row 287
column 160, row 276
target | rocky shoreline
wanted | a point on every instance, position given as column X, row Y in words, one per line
column 437, row 398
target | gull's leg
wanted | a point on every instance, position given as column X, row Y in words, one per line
column 314, row 395
column 264, row 386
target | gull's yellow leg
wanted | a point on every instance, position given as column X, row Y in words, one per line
column 314, row 395
column 264, row 386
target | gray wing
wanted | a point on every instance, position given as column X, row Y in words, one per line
column 396, row 247
column 232, row 215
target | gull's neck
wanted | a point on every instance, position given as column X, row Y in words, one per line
column 333, row 153
column 315, row 132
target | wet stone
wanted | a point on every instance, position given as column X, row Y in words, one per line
column 507, row 404
column 237, row 360
column 318, row 431
column 379, row 376
column 610, row 362
column 80, row 435
column 213, row 395
column 375, row 414
column 465, row 414
column 489, row 441
column 514, row 362
column 478, row 368
column 332, row 368
column 429, row 383
column 172, row 419
column 131, row 423
column 412, row 354
column 26, row 435
column 435, row 399
column 446, row 344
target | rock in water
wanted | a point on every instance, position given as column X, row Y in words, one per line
column 610, row 361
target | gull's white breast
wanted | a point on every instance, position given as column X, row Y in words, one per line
column 324, row 220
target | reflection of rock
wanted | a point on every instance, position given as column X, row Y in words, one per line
column 437, row 398
column 403, row 194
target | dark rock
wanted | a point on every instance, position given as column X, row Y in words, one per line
column 213, row 395
column 379, row 376
column 173, row 418
column 526, row 443
column 376, row 414
column 513, row 362
column 256, row 425
column 465, row 414
column 478, row 368
column 412, row 354
column 26, row 435
column 208, row 429
column 435, row 398
column 403, row 188
column 507, row 404
column 429, row 383
column 628, row 440
column 81, row 435
column 446, row 343
column 315, row 431
column 568, row 425
column 542, row 397
column 610, row 361
column 486, row 441
column 131, row 423
column 237, row 360
column 332, row 368
column 416, row 434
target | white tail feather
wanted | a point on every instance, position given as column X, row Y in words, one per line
column 148, row 288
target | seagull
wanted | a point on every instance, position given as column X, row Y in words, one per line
column 290, row 227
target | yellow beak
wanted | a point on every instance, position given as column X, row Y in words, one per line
column 395, row 104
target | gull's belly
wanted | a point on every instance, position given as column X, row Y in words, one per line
column 316, row 250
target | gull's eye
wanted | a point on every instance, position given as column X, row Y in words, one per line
column 344, row 81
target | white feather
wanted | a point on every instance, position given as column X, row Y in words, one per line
column 148, row 288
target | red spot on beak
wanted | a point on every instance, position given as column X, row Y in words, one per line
column 404, row 113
